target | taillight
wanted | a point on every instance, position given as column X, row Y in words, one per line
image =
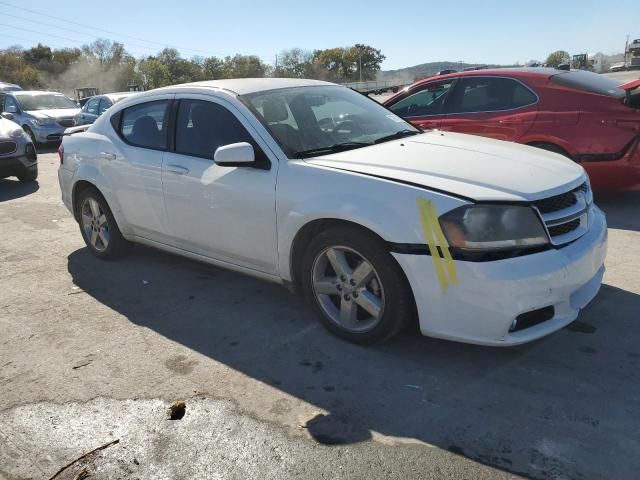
column 61, row 154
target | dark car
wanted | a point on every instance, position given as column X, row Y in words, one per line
column 17, row 154
column 97, row 105
column 587, row 117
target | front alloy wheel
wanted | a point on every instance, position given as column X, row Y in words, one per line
column 348, row 289
column 356, row 286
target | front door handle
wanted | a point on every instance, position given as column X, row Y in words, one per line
column 108, row 156
column 177, row 169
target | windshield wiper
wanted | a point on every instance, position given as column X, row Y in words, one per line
column 400, row 134
column 338, row 147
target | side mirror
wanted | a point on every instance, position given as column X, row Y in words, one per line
column 12, row 109
column 8, row 116
column 235, row 155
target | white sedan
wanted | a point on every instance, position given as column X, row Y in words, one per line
column 312, row 185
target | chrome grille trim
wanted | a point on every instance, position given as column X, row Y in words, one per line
column 577, row 208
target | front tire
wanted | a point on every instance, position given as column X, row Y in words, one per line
column 30, row 175
column 98, row 226
column 357, row 288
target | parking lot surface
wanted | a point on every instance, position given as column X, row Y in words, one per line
column 92, row 352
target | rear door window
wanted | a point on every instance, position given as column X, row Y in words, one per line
column 490, row 94
column 145, row 125
column 428, row 100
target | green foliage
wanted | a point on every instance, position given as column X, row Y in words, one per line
column 107, row 65
column 556, row 58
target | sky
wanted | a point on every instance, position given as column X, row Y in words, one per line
column 408, row 33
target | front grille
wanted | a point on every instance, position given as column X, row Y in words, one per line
column 560, row 202
column 564, row 228
column 66, row 122
column 565, row 215
column 8, row 147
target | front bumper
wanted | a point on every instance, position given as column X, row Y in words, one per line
column 18, row 163
column 48, row 133
column 481, row 308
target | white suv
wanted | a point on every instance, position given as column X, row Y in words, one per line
column 313, row 185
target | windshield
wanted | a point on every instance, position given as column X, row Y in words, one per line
column 589, row 82
column 315, row 121
column 44, row 102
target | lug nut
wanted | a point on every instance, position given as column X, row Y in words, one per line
column 355, row 294
column 352, row 282
column 347, row 297
column 343, row 278
column 339, row 287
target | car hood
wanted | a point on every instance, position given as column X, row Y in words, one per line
column 54, row 113
column 463, row 165
column 7, row 126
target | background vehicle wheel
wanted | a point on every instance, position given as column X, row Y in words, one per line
column 550, row 147
column 30, row 176
column 98, row 227
column 356, row 286
column 32, row 136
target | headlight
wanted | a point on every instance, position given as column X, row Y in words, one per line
column 17, row 133
column 493, row 227
column 42, row 121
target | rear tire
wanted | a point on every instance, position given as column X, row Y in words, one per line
column 32, row 136
column 98, row 226
column 356, row 287
column 30, row 176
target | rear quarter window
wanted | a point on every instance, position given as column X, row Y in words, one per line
column 589, row 82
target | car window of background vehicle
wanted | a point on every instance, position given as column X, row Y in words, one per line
column 202, row 127
column 429, row 100
column 92, row 106
column 105, row 103
column 489, row 94
column 44, row 102
column 144, row 125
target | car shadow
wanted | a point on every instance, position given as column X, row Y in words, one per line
column 564, row 406
column 11, row 189
column 622, row 210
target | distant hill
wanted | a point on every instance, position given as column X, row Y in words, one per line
column 411, row 74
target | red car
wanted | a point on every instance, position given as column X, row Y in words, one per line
column 587, row 117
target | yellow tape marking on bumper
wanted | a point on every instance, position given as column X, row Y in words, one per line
column 444, row 245
column 427, row 226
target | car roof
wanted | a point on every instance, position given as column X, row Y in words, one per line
column 244, row 86
column 519, row 72
column 36, row 92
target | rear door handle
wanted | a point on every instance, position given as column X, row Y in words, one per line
column 177, row 169
column 108, row 156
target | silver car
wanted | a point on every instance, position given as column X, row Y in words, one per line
column 42, row 115
column 17, row 153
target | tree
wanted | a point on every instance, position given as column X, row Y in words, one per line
column 38, row 55
column 213, row 68
column 368, row 59
column 294, row 63
column 155, row 74
column 15, row 70
column 556, row 58
column 106, row 52
column 244, row 66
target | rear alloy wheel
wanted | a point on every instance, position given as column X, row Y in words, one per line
column 30, row 175
column 356, row 286
column 99, row 229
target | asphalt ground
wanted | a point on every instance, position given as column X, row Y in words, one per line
column 93, row 351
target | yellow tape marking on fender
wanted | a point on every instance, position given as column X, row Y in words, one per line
column 427, row 227
column 444, row 245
